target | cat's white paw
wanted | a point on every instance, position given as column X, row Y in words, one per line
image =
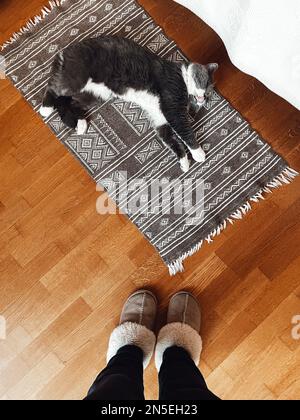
column 184, row 164
column 198, row 155
column 82, row 127
column 46, row 111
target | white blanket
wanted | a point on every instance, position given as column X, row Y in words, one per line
column 262, row 38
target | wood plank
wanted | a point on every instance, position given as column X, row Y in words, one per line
column 65, row 271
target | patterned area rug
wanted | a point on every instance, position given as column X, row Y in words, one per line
column 122, row 152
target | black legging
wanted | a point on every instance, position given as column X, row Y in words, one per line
column 122, row 379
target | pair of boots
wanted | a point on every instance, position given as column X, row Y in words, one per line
column 177, row 352
column 137, row 323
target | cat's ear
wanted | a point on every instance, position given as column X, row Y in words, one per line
column 212, row 67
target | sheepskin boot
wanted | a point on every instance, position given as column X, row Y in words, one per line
column 136, row 325
column 182, row 328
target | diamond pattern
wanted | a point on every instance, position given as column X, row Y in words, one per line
column 93, row 149
column 32, row 64
column 157, row 44
column 137, row 117
column 53, row 48
column 93, row 19
column 148, row 151
column 227, row 170
column 245, row 155
column 74, row 31
column 224, row 132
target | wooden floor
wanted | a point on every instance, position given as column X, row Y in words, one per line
column 65, row 271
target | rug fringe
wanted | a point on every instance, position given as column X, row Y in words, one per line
column 286, row 177
column 33, row 22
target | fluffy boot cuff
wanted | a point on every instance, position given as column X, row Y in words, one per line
column 181, row 335
column 131, row 333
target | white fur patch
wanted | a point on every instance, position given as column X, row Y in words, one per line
column 184, row 164
column 190, row 82
column 46, row 111
column 180, row 335
column 146, row 100
column 99, row 90
column 198, row 155
column 131, row 333
column 82, row 127
column 149, row 102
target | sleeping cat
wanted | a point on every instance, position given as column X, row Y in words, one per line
column 113, row 67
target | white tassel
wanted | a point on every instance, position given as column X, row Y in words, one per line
column 31, row 23
column 209, row 239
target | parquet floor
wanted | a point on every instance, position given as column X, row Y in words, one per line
column 65, row 271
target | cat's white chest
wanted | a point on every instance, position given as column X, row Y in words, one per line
column 146, row 100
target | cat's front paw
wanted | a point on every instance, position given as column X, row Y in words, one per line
column 198, row 155
column 82, row 127
column 184, row 164
column 46, row 111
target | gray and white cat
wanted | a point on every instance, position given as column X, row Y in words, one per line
column 112, row 67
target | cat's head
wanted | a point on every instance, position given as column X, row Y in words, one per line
column 199, row 80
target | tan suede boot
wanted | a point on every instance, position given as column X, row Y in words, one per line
column 182, row 328
column 136, row 325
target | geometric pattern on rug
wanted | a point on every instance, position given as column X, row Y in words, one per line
column 93, row 148
column 134, row 115
column 148, row 151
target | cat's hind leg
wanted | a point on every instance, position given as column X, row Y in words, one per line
column 48, row 105
column 82, row 126
column 70, row 111
column 72, row 114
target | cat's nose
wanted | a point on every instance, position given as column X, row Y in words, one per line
column 200, row 99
